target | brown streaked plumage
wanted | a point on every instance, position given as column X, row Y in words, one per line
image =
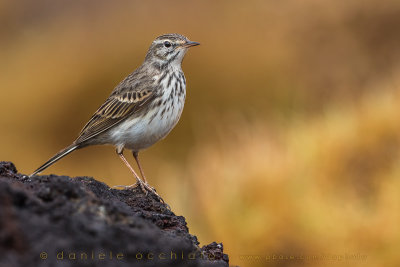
column 142, row 109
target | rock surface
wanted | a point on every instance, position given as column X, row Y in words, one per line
column 58, row 221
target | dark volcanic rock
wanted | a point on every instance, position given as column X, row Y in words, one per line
column 58, row 221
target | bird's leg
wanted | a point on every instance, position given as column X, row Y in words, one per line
column 120, row 153
column 144, row 186
column 136, row 156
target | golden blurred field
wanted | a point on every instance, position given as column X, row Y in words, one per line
column 289, row 143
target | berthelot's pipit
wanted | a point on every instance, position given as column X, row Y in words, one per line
column 142, row 109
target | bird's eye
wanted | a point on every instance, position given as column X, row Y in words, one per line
column 167, row 44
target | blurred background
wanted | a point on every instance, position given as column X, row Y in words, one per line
column 289, row 143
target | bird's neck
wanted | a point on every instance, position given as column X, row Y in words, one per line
column 162, row 66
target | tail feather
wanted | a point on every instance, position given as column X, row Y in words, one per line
column 55, row 158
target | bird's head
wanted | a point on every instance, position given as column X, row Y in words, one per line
column 169, row 49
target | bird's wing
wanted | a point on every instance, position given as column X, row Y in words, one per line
column 116, row 108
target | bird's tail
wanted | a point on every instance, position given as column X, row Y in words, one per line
column 55, row 158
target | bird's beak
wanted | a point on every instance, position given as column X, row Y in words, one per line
column 190, row 43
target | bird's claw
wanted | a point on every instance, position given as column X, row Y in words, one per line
column 145, row 187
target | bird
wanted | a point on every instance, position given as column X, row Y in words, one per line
column 142, row 109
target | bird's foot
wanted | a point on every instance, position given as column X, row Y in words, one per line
column 145, row 187
column 135, row 185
